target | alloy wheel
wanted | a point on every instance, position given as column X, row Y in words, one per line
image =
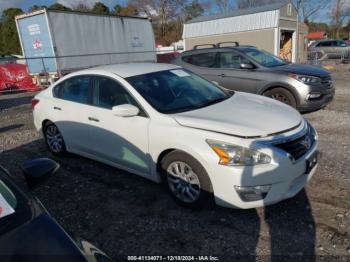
column 183, row 182
column 54, row 138
column 281, row 97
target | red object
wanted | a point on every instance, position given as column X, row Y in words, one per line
column 35, row 102
column 316, row 35
column 16, row 77
column 166, row 58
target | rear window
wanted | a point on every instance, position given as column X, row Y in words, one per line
column 75, row 89
column 203, row 59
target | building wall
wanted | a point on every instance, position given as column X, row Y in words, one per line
column 243, row 23
column 263, row 39
column 284, row 12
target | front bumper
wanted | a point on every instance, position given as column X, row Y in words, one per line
column 327, row 92
column 285, row 176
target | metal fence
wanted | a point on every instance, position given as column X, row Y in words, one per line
column 46, row 76
column 320, row 57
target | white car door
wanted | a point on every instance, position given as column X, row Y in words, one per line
column 69, row 109
column 121, row 140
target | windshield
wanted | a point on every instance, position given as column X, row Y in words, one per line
column 262, row 57
column 174, row 91
column 8, row 202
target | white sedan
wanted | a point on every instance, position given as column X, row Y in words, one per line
column 167, row 124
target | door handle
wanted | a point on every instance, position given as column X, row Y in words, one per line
column 222, row 75
column 93, row 119
column 56, row 108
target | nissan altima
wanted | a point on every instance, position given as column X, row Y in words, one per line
column 168, row 124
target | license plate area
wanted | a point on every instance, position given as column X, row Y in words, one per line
column 311, row 162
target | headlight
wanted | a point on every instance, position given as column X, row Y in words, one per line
column 306, row 79
column 233, row 155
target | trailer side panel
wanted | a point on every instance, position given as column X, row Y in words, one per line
column 86, row 40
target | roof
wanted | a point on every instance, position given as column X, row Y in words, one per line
column 133, row 69
column 246, row 11
column 44, row 10
column 316, row 35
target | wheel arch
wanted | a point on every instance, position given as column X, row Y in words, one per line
column 284, row 86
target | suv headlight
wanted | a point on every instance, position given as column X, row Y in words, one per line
column 234, row 155
column 306, row 79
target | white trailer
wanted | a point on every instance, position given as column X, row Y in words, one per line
column 58, row 42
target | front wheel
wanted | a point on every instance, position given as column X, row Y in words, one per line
column 186, row 180
column 282, row 95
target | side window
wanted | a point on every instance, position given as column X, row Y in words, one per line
column 108, row 93
column 203, row 60
column 75, row 89
column 325, row 43
column 232, row 60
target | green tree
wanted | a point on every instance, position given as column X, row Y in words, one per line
column 9, row 41
column 100, row 8
column 58, row 6
column 192, row 10
column 128, row 10
column 36, row 7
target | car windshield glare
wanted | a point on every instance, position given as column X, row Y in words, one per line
column 263, row 58
column 177, row 90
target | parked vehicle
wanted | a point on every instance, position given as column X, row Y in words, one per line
column 333, row 49
column 27, row 231
column 168, row 124
column 252, row 70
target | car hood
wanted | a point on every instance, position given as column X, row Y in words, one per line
column 303, row 70
column 243, row 115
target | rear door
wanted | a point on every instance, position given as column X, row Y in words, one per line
column 202, row 63
column 70, row 109
column 231, row 76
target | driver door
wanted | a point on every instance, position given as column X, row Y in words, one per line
column 232, row 77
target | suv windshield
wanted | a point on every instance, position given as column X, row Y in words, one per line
column 262, row 57
column 175, row 91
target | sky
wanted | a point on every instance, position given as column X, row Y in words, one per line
column 26, row 4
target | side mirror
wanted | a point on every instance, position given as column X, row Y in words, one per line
column 247, row 66
column 38, row 171
column 125, row 110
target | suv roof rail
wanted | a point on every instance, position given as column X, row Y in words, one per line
column 196, row 46
column 219, row 44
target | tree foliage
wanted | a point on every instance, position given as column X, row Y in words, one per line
column 9, row 41
column 58, row 6
column 100, row 8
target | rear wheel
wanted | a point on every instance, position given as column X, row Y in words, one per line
column 54, row 139
column 282, row 95
column 186, row 180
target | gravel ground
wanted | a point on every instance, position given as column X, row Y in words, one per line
column 124, row 214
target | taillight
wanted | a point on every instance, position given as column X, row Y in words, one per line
column 35, row 102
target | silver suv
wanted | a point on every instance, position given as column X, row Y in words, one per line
column 249, row 69
column 332, row 49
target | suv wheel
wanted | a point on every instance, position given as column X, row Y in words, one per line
column 186, row 180
column 282, row 95
column 54, row 139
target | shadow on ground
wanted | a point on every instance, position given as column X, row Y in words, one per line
column 125, row 215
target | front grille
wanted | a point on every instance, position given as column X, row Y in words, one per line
column 327, row 81
column 297, row 147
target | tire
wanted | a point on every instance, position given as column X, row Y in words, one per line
column 282, row 95
column 197, row 194
column 54, row 140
